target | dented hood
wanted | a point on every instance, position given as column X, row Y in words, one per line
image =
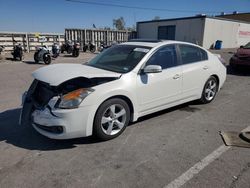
column 59, row 73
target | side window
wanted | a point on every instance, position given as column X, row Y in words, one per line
column 192, row 54
column 165, row 57
column 204, row 55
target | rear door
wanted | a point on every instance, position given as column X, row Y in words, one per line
column 195, row 69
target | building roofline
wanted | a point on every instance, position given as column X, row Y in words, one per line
column 232, row 14
column 173, row 19
column 228, row 19
column 193, row 17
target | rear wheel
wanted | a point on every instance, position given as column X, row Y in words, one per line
column 111, row 119
column 20, row 56
column 92, row 49
column 75, row 53
column 47, row 59
column 209, row 91
column 85, row 48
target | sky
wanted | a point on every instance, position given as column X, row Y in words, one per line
column 56, row 15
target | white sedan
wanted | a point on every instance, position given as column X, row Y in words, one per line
column 121, row 84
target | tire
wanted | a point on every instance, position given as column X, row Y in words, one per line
column 75, row 53
column 209, row 91
column 47, row 59
column 111, row 119
column 56, row 55
column 21, row 58
column 36, row 57
column 70, row 50
column 92, row 50
column 233, row 66
column 85, row 48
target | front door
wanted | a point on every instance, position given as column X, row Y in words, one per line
column 158, row 89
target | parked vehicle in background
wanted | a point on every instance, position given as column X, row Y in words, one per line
column 90, row 46
column 71, row 47
column 119, row 85
column 55, row 50
column 76, row 49
column 105, row 46
column 67, row 47
column 241, row 57
column 42, row 54
column 17, row 52
column 1, row 49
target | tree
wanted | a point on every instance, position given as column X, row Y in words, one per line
column 119, row 23
column 133, row 28
column 107, row 28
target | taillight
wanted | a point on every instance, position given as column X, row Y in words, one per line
column 223, row 61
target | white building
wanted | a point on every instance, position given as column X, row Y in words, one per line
column 201, row 30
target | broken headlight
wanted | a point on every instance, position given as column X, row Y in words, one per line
column 74, row 98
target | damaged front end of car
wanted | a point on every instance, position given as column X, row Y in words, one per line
column 43, row 97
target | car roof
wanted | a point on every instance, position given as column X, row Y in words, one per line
column 154, row 43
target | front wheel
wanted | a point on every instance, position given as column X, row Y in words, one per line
column 209, row 91
column 111, row 119
column 36, row 57
column 47, row 59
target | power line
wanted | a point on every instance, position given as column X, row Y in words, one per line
column 137, row 7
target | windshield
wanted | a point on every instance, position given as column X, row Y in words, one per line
column 247, row 46
column 119, row 58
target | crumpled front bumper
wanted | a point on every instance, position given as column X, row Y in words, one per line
column 73, row 122
column 56, row 123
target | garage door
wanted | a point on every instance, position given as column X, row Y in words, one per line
column 166, row 32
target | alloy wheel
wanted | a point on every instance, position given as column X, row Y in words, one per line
column 210, row 90
column 113, row 119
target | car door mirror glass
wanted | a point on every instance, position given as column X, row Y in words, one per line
column 152, row 69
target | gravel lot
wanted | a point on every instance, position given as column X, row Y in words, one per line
column 151, row 152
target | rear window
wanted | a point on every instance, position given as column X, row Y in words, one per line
column 192, row 54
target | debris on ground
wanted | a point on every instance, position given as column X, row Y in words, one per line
column 238, row 139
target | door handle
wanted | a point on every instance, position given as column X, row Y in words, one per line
column 177, row 76
column 205, row 67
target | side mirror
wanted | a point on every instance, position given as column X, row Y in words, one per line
column 152, row 69
column 241, row 46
